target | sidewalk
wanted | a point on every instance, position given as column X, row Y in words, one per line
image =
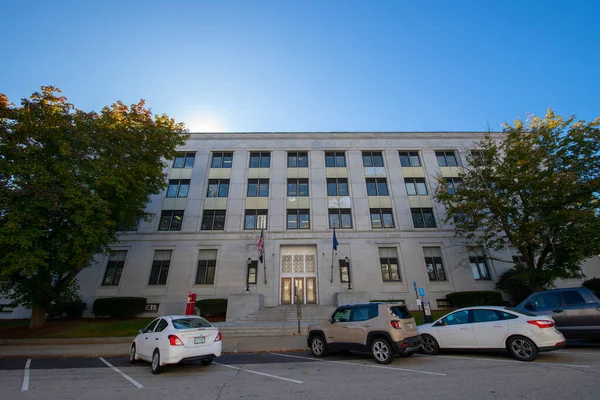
column 108, row 347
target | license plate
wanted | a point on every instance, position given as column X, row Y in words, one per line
column 410, row 325
column 198, row 340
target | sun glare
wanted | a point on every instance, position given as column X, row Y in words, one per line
column 204, row 123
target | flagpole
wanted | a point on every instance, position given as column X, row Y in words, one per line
column 332, row 264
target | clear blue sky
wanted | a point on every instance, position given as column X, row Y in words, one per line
column 282, row 65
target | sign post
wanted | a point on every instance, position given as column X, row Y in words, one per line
column 421, row 293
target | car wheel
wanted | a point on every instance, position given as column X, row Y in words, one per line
column 206, row 361
column 430, row 345
column 382, row 351
column 156, row 368
column 522, row 348
column 132, row 354
column 318, row 346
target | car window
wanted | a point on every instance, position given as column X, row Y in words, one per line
column 342, row 315
column 400, row 312
column 151, row 327
column 361, row 314
column 457, row 318
column 190, row 323
column 485, row 316
column 162, row 325
column 572, row 297
column 547, row 300
column 504, row 315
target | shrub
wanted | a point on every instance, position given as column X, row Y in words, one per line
column 515, row 282
column 119, row 307
column 69, row 303
column 480, row 298
column 593, row 285
column 212, row 307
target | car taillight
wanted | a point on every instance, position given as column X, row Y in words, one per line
column 175, row 341
column 541, row 323
column 396, row 324
column 219, row 337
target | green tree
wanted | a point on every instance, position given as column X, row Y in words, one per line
column 69, row 179
column 534, row 186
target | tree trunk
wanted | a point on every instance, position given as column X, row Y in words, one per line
column 38, row 317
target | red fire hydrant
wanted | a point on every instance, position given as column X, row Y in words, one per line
column 191, row 304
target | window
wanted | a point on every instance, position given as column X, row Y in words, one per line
column 342, row 315
column 547, row 300
column 221, row 160
column 184, row 160
column 443, row 304
column 151, row 307
column 377, row 187
column 409, row 158
column 433, row 263
column 213, row 220
column 129, row 225
column 191, row 323
column 479, row 268
column 372, row 159
column 344, row 272
column 388, row 259
column 506, row 315
column 452, row 184
column 218, row 188
column 363, row 313
column 335, row 159
column 423, row 217
column 252, row 270
column 178, row 188
column 162, row 325
column 260, row 160
column 114, row 268
column 480, row 315
column 297, row 187
column 297, row 160
column 337, row 187
column 415, row 186
column 381, row 218
column 207, row 263
column 151, row 327
column 572, row 297
column 160, row 267
column 298, row 219
column 457, row 318
column 340, row 218
column 255, row 219
column 446, row 158
column 170, row 220
column 258, row 188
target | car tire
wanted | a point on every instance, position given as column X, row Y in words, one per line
column 318, row 347
column 430, row 345
column 155, row 366
column 132, row 354
column 381, row 351
column 522, row 348
column 206, row 361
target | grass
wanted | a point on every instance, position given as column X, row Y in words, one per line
column 13, row 323
column 99, row 328
column 434, row 313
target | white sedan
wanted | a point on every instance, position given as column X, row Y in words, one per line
column 492, row 329
column 176, row 338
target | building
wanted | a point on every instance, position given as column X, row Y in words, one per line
column 375, row 188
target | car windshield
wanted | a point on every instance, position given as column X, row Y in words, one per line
column 520, row 312
column 190, row 323
column 401, row 312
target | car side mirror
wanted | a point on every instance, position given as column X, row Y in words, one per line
column 141, row 331
column 530, row 306
column 330, row 320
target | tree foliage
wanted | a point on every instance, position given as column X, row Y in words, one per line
column 68, row 180
column 534, row 187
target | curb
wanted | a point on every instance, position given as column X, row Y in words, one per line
column 65, row 341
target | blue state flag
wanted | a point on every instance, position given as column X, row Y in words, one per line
column 335, row 242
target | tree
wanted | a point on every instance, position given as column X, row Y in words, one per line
column 534, row 187
column 69, row 179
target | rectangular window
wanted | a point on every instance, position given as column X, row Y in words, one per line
column 221, row 160
column 178, row 188
column 258, row 188
column 446, row 158
column 298, row 219
column 372, row 159
column 160, row 267
column 409, row 158
column 337, row 187
column 377, row 187
column 252, row 272
column 297, row 160
column 114, row 268
column 480, row 268
column 184, row 160
column 170, row 220
column 443, row 304
column 340, row 218
column 423, row 217
column 260, row 160
column 297, row 187
column 388, row 259
column 433, row 263
column 478, row 158
column 381, row 218
column 335, row 159
column 218, row 188
column 344, row 272
column 255, row 219
column 207, row 263
column 415, row 186
column 452, row 184
column 213, row 220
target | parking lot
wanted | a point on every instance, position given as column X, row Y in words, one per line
column 569, row 373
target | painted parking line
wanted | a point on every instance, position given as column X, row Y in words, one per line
column 25, row 386
column 363, row 365
column 123, row 374
column 505, row 361
column 259, row 373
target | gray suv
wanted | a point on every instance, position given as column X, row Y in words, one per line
column 576, row 311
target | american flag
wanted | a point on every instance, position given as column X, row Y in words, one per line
column 260, row 246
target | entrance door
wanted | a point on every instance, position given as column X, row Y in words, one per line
column 311, row 290
column 298, row 275
column 299, row 290
column 286, row 290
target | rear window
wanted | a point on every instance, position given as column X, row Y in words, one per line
column 400, row 312
column 190, row 323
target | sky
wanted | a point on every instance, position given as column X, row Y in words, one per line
column 311, row 66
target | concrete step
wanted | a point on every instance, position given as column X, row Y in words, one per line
column 288, row 313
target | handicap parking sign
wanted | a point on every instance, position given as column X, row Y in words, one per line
column 421, row 292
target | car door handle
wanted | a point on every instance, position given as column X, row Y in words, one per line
column 498, row 326
column 366, row 326
column 156, row 339
column 464, row 329
column 558, row 311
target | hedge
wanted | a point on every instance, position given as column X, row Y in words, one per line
column 480, row 298
column 212, row 307
column 119, row 307
column 593, row 285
